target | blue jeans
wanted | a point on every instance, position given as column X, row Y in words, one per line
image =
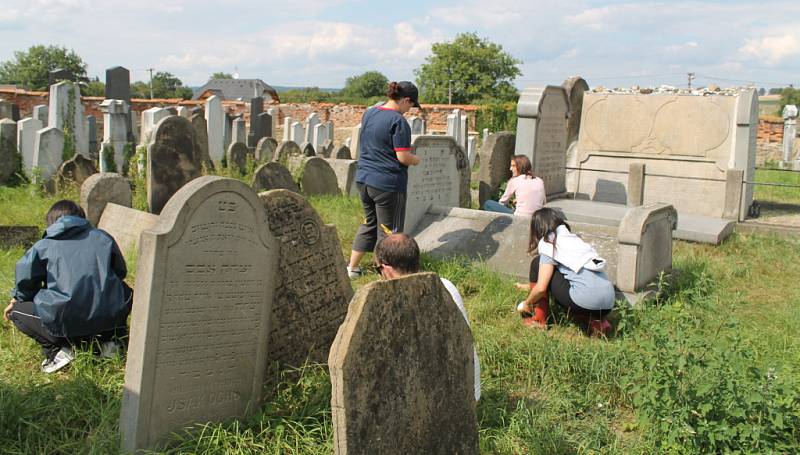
column 494, row 206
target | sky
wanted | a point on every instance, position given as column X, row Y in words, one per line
column 322, row 42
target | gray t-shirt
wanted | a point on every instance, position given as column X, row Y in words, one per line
column 588, row 289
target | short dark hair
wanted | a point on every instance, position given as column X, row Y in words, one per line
column 399, row 251
column 62, row 208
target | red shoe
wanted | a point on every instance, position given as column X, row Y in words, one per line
column 600, row 328
column 533, row 323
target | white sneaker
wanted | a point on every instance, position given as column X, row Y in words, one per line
column 354, row 272
column 108, row 349
column 62, row 358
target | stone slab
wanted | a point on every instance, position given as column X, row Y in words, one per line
column 126, row 225
column 201, row 313
column 100, row 189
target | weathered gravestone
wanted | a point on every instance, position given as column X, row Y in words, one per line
column 215, row 121
column 308, row 149
column 239, row 130
column 9, row 156
column 66, row 114
column 125, row 225
column 102, row 188
column 342, row 153
column 172, row 160
column 265, row 149
column 200, row 134
column 48, row 150
column 237, row 157
column 441, row 178
column 265, row 122
column 355, row 139
column 285, row 150
column 257, row 130
column 297, row 133
column 345, row 171
column 116, row 118
column 26, row 136
column 575, row 88
column 402, row 372
column 75, row 171
column 495, row 169
column 314, row 175
column 313, row 289
column 287, row 127
column 311, row 122
column 273, row 176
column 40, row 113
column 542, row 115
column 91, row 131
column 200, row 321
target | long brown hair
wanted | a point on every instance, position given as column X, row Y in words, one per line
column 523, row 165
column 544, row 223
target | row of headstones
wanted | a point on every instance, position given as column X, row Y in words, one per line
column 232, row 284
column 458, row 128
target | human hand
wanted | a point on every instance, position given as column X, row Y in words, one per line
column 522, row 286
column 8, row 309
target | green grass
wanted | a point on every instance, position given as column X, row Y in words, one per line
column 711, row 368
column 775, row 194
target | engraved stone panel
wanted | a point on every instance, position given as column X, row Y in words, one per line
column 549, row 158
column 402, row 372
column 273, row 176
column 172, row 160
column 200, row 320
column 313, row 289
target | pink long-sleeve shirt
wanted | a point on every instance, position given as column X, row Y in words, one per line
column 529, row 194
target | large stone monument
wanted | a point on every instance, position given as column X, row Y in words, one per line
column 402, row 372
column 313, row 289
column 116, row 118
column 201, row 313
column 542, row 114
column 172, row 160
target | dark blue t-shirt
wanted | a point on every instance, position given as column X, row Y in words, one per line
column 384, row 132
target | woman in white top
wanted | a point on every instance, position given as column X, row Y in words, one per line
column 527, row 190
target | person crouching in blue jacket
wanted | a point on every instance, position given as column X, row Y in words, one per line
column 70, row 289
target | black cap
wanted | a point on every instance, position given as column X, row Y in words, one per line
column 409, row 90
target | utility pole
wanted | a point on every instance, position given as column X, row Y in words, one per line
column 151, row 82
column 691, row 78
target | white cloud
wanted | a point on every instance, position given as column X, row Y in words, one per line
column 772, row 49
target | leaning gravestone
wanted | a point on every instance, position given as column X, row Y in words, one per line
column 402, row 372
column 314, row 175
column 75, row 171
column 265, row 149
column 237, row 157
column 496, row 156
column 100, row 189
column 441, row 178
column 313, row 289
column 273, row 176
column 200, row 320
column 285, row 150
column 9, row 156
column 172, row 160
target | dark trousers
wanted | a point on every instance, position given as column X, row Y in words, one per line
column 559, row 289
column 24, row 318
column 384, row 213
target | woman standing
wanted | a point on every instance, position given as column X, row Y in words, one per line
column 382, row 176
column 527, row 190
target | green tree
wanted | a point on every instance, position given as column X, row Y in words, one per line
column 472, row 68
column 30, row 68
column 221, row 75
column 789, row 95
column 165, row 85
column 94, row 88
column 367, row 85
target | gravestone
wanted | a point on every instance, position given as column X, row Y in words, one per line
column 313, row 289
column 273, row 115
column 48, row 150
column 6, row 110
column 345, row 170
column 59, row 74
column 125, row 225
column 118, row 84
column 417, row 125
column 75, row 171
column 273, row 176
column 102, row 188
column 287, row 128
column 116, row 115
column 265, row 149
column 789, row 132
column 26, row 136
column 441, row 178
column 296, row 132
column 454, row 124
column 472, row 151
column 264, row 121
column 91, row 128
column 66, row 114
column 150, row 118
column 227, row 131
column 257, row 130
column 402, row 372
column 575, row 88
column 200, row 131
column 342, row 153
column 308, row 149
column 355, row 137
column 9, row 155
column 237, row 157
column 238, row 131
column 40, row 113
column 183, row 111
column 320, row 136
column 327, row 148
column 495, row 169
column 285, row 150
column 215, row 119
column 311, row 122
column 173, row 160
column 202, row 304
column 542, row 115
column 314, row 175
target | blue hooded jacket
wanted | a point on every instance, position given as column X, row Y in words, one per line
column 74, row 278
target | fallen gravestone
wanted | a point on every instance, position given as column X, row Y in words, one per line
column 172, row 160
column 314, row 175
column 313, row 289
column 495, row 169
column 273, row 176
column 402, row 372
column 102, row 188
column 200, row 319
column 237, row 157
column 75, row 171
column 265, row 149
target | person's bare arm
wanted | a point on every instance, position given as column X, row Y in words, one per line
column 540, row 289
column 8, row 309
column 407, row 158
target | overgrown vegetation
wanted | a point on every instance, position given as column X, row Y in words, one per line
column 709, row 367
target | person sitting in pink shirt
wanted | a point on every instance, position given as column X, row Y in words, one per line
column 527, row 190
